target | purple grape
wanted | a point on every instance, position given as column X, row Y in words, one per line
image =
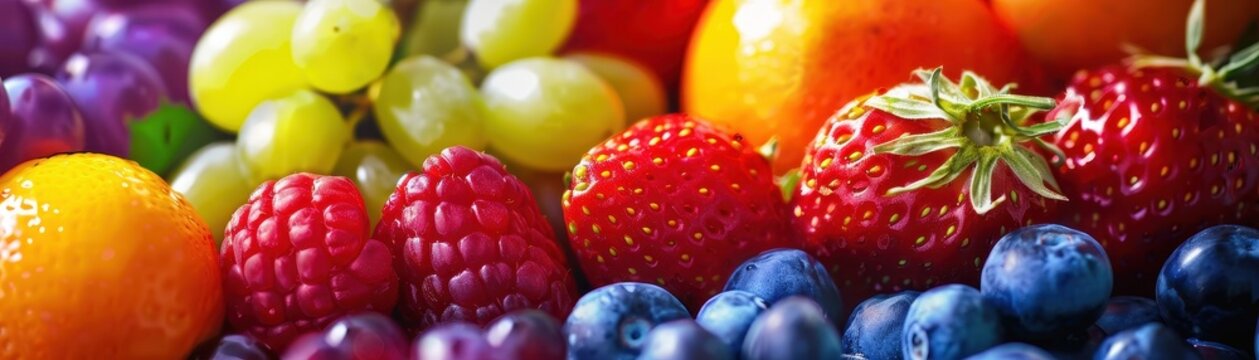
column 6, row 117
column 453, row 341
column 111, row 89
column 46, row 121
column 232, row 347
column 61, row 24
column 363, row 336
column 162, row 34
column 527, row 334
column 18, row 35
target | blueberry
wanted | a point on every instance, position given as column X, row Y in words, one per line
column 683, row 340
column 949, row 322
column 1152, row 341
column 780, row 273
column 363, row 336
column 1047, row 281
column 1013, row 351
column 1209, row 287
column 612, row 322
column 453, row 341
column 874, row 328
column 1126, row 312
column 729, row 314
column 232, row 347
column 527, row 334
column 1217, row 351
column 793, row 329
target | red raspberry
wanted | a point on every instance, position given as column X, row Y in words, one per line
column 471, row 244
column 297, row 256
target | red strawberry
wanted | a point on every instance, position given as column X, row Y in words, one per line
column 297, row 256
column 471, row 244
column 1154, row 154
column 897, row 190
column 673, row 201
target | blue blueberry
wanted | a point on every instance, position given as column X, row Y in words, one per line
column 683, row 340
column 1126, row 312
column 1013, row 351
column 874, row 328
column 781, row 273
column 612, row 322
column 1153, row 341
column 1047, row 281
column 729, row 314
column 1209, row 287
column 949, row 322
column 1217, row 351
column 453, row 341
column 793, row 329
column 527, row 334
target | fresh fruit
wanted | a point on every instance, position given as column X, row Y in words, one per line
column 215, row 183
column 1047, row 281
column 728, row 316
column 794, row 328
column 1216, row 351
column 874, row 328
column 649, row 32
column 365, row 336
column 43, row 120
column 341, row 45
column 683, row 340
column 297, row 256
column 425, row 105
column 1208, row 287
column 434, row 28
column 19, row 33
column 1015, row 351
column 529, row 101
column 111, row 90
column 61, row 25
column 1152, row 342
column 100, row 245
column 243, row 59
column 1128, row 312
column 781, row 273
column 1068, row 35
column 526, row 335
column 950, row 322
column 640, row 91
column 235, row 347
column 453, row 341
column 302, row 131
column 612, row 322
column 501, row 31
column 1156, row 151
column 471, row 244
column 673, row 201
column 375, row 169
column 774, row 69
column 880, row 201
column 162, row 34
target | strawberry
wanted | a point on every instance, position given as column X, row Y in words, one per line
column 1152, row 154
column 880, row 201
column 673, row 201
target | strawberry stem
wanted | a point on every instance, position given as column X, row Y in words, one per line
column 1222, row 79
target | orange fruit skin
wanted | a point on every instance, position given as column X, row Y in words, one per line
column 780, row 68
column 1070, row 35
column 100, row 259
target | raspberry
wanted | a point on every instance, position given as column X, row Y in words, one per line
column 471, row 244
column 297, row 256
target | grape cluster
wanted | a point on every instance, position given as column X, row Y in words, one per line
column 353, row 88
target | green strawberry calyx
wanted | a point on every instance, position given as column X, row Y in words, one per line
column 989, row 127
column 1219, row 75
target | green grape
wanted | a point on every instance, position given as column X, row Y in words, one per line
column 215, row 183
column 342, row 45
column 375, row 168
column 435, row 30
column 500, row 31
column 243, row 59
column 639, row 89
column 302, row 132
column 425, row 105
column 545, row 113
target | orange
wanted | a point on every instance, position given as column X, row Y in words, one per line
column 1069, row 35
column 779, row 68
column 99, row 259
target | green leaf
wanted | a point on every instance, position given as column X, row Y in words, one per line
column 1243, row 59
column 1029, row 173
column 1032, row 102
column 982, row 87
column 907, row 108
column 913, row 145
column 168, row 135
column 981, row 183
column 946, row 173
column 1193, row 31
column 787, row 183
column 948, row 97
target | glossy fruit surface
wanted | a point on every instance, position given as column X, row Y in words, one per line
column 434, row 28
column 683, row 340
column 1128, row 312
column 728, row 316
column 650, row 32
column 162, row 34
column 501, row 31
column 779, row 69
column 341, row 45
column 949, row 322
column 778, row 274
column 424, row 105
column 525, row 335
column 453, row 341
column 1013, row 351
column 1208, row 288
column 73, row 221
column 18, row 35
column 794, row 328
column 111, row 90
column 302, row 131
column 612, row 322
column 1152, row 341
column 43, row 121
column 375, row 169
column 215, row 183
column 640, row 91
column 875, row 326
column 363, row 336
column 232, row 347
